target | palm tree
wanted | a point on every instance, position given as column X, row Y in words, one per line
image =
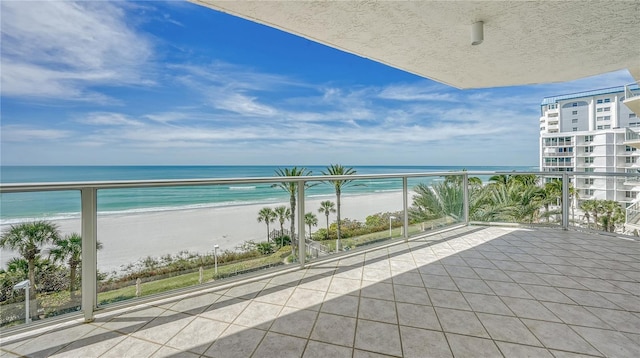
column 338, row 185
column 593, row 207
column 283, row 213
column 327, row 207
column 552, row 192
column 292, row 189
column 27, row 239
column 69, row 248
column 311, row 220
column 443, row 199
column 267, row 215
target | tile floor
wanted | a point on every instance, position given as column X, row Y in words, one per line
column 471, row 292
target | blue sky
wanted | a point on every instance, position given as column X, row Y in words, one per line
column 130, row 83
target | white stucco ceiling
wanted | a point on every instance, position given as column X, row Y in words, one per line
column 525, row 42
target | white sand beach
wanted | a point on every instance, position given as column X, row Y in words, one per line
column 128, row 238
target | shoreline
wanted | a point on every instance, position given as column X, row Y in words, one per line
column 130, row 237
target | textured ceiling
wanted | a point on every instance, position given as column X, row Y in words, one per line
column 525, row 42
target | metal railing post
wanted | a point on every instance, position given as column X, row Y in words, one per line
column 302, row 252
column 89, row 218
column 565, row 201
column 405, row 207
column 465, row 197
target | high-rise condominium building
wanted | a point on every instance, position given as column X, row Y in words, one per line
column 592, row 132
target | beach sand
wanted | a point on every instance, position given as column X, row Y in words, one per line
column 128, row 238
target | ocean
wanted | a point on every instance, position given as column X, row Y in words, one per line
column 20, row 207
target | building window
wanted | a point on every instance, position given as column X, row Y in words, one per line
column 589, row 181
column 588, row 160
column 599, row 127
column 588, row 149
column 589, row 192
column 575, row 120
column 607, row 100
column 606, row 109
column 634, row 124
column 632, row 115
column 599, row 101
column 599, row 110
column 629, row 149
column 589, row 170
column 574, row 113
column 575, row 129
column 629, row 194
column 630, row 160
column 588, row 138
column 552, row 106
column 574, row 104
column 606, row 126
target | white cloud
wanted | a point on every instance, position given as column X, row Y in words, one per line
column 108, row 119
column 21, row 134
column 60, row 49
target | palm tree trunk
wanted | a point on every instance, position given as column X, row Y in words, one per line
column 327, row 215
column 268, row 238
column 33, row 304
column 292, row 202
column 72, row 281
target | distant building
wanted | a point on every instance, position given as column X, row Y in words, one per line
column 592, row 131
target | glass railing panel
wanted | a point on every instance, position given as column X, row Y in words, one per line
column 517, row 198
column 435, row 202
column 41, row 243
column 371, row 212
column 607, row 203
column 153, row 240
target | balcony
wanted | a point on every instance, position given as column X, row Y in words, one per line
column 461, row 290
column 632, row 138
column 632, row 97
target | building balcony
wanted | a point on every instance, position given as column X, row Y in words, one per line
column 492, row 291
column 632, row 138
column 556, row 154
column 632, row 97
column 455, row 288
column 561, row 164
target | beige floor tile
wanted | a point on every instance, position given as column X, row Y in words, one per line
column 610, row 343
column 377, row 310
column 487, row 304
column 51, row 342
column 258, row 315
column 275, row 294
column 411, row 294
column 324, row 350
column 344, row 286
column 472, row 347
column 236, row 341
column 163, row 327
column 588, row 298
column 306, row 299
column 93, row 344
column 379, row 290
column 521, row 351
column 439, row 282
column 417, row 316
column 247, row 290
column 168, row 352
column 226, row 309
column 198, row 335
column 340, row 304
column 370, row 274
column 576, row 315
column 279, row 345
column 334, row 329
column 547, row 293
column 559, row 336
column 473, row 285
column 508, row 329
column 378, row 337
column 529, row 309
column 193, row 305
column 423, row 343
column 448, row 299
column 461, row 322
column 295, row 322
column 132, row 347
column 408, row 279
column 620, row 320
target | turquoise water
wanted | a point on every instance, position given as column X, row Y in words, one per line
column 66, row 204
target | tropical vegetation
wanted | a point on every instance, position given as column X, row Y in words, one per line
column 339, row 185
